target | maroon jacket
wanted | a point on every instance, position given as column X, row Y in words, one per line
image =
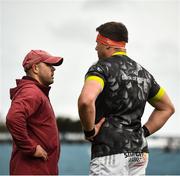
column 31, row 122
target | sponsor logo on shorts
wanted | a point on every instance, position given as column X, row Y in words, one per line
column 130, row 154
column 136, row 159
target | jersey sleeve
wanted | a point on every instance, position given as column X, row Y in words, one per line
column 97, row 72
column 156, row 92
column 96, row 78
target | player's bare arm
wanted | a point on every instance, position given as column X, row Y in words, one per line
column 163, row 110
column 86, row 105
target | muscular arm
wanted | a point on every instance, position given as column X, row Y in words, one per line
column 162, row 112
column 86, row 105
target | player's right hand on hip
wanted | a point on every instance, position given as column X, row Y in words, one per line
column 98, row 126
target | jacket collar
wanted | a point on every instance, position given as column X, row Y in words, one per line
column 43, row 88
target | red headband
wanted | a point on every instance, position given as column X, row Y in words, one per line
column 107, row 41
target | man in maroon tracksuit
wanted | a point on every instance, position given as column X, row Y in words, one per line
column 31, row 120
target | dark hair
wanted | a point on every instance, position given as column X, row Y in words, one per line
column 114, row 31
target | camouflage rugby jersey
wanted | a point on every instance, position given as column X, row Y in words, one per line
column 127, row 86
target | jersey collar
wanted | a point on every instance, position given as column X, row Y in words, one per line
column 120, row 53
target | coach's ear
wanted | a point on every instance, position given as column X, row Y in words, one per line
column 35, row 68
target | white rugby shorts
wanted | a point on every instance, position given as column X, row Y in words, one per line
column 119, row 164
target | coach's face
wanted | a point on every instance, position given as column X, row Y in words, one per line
column 45, row 73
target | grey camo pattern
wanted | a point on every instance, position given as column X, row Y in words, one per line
column 127, row 88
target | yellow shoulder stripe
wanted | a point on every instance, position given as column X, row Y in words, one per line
column 158, row 96
column 96, row 78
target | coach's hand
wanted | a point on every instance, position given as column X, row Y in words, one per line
column 40, row 153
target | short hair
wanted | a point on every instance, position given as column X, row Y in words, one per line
column 114, row 31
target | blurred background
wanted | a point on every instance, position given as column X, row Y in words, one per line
column 67, row 28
